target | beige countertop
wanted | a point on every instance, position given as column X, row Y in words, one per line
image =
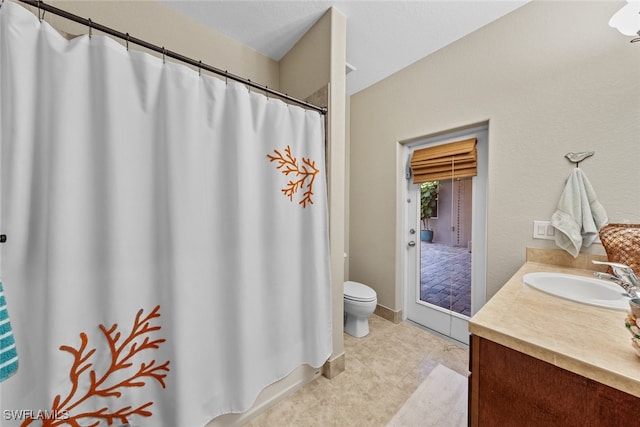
column 589, row 341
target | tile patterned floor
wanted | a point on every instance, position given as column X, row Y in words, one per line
column 445, row 277
column 382, row 370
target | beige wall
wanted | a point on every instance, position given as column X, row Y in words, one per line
column 550, row 78
column 311, row 58
column 159, row 25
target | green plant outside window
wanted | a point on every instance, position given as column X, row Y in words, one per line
column 428, row 202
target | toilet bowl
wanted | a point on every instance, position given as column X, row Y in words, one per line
column 359, row 303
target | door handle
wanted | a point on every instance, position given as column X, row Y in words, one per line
column 412, row 244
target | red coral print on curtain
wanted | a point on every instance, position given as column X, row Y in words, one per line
column 65, row 410
column 305, row 174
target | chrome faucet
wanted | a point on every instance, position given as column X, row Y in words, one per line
column 623, row 275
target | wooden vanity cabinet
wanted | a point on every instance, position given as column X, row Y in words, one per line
column 510, row 388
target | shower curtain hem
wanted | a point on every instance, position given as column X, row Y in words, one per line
column 280, row 378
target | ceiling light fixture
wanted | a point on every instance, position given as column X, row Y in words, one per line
column 627, row 20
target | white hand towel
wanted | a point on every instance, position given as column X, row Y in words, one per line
column 8, row 353
column 579, row 215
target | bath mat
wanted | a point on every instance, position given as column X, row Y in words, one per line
column 8, row 353
column 441, row 400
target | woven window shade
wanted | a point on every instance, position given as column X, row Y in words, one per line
column 447, row 161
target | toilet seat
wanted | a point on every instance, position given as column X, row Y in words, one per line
column 354, row 291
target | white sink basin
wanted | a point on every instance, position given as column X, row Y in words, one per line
column 585, row 290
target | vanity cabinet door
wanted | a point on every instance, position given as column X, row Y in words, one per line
column 509, row 388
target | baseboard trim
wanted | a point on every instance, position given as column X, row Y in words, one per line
column 334, row 366
column 388, row 314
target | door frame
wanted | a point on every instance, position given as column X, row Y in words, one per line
column 479, row 221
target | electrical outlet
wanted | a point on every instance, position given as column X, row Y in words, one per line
column 543, row 230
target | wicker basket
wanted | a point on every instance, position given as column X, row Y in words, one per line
column 622, row 244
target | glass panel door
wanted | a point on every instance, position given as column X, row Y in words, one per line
column 445, row 257
column 445, row 275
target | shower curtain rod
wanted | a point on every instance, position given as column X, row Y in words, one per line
column 93, row 25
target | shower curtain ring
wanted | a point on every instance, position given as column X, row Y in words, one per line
column 199, row 68
column 127, row 42
column 90, row 27
column 40, row 14
column 266, row 91
column 226, row 77
column 164, row 59
column 249, row 85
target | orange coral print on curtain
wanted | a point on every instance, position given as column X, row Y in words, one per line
column 65, row 410
column 305, row 174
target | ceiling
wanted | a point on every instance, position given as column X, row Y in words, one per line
column 382, row 36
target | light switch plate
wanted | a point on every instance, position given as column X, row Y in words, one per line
column 543, row 230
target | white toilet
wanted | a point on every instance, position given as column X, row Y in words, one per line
column 359, row 303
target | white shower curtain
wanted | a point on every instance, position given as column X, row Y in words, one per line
column 167, row 254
